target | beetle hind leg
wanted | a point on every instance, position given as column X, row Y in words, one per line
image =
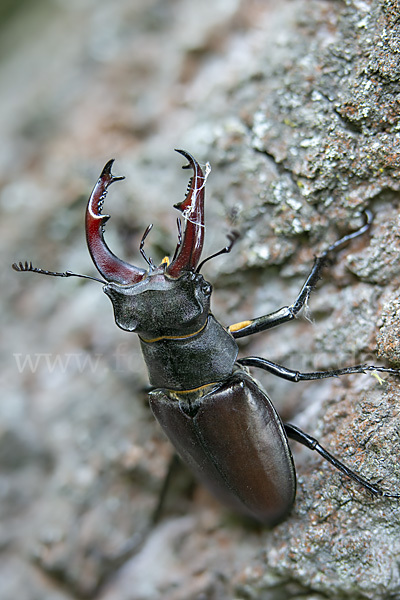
column 159, row 508
column 312, row 443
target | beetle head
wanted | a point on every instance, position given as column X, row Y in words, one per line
column 172, row 299
column 160, row 306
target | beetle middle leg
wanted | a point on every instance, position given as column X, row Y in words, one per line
column 296, row 376
column 310, row 442
column 288, row 313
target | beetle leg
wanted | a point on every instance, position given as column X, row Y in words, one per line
column 172, row 468
column 283, row 315
column 296, row 376
column 288, row 313
column 300, row 436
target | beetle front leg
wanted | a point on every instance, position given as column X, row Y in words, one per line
column 296, row 376
column 288, row 313
column 303, row 438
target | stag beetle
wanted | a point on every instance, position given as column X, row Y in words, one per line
column 222, row 424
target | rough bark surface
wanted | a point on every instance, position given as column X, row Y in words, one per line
column 295, row 104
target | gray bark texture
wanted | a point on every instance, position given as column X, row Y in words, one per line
column 296, row 106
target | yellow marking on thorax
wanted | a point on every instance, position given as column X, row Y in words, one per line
column 174, row 337
column 201, row 387
column 239, row 326
column 165, row 261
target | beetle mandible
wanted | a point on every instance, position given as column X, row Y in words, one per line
column 221, row 422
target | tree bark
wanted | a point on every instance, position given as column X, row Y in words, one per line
column 295, row 104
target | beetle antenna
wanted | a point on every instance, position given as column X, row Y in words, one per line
column 142, row 252
column 232, row 237
column 179, row 225
column 27, row 266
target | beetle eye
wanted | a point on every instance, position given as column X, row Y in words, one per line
column 206, row 289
